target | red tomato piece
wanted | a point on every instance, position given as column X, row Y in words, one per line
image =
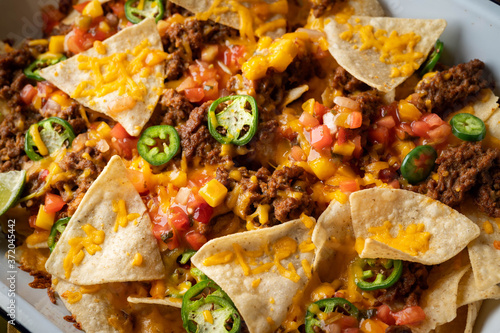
column 351, row 330
column 44, row 88
column 194, row 95
column 355, row 119
column 440, row 133
column 420, row 128
column 119, row 132
column 32, row 221
column 53, row 203
column 308, row 120
column 195, row 240
column 410, row 315
column 81, row 6
column 384, row 313
column 165, row 234
column 178, row 218
column 137, row 179
column 118, row 8
column 320, row 109
column 358, row 149
column 348, row 322
column 28, row 93
column 348, row 186
column 387, row 121
column 203, row 213
column 432, row 119
column 321, row 137
column 341, row 136
column 379, row 134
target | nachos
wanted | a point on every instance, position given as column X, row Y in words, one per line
column 251, row 166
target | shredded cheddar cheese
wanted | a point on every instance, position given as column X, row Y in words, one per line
column 412, row 240
column 72, row 297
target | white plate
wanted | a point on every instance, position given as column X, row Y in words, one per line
column 473, row 32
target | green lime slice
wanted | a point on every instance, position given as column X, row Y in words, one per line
column 11, row 186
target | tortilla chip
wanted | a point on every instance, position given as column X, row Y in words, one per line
column 113, row 263
column 70, row 19
column 94, row 311
column 169, row 301
column 484, row 257
column 67, row 76
column 365, row 65
column 450, row 231
column 260, row 302
column 486, row 105
column 334, row 228
column 366, row 8
column 439, row 301
column 493, row 124
column 294, row 94
column 225, row 13
column 464, row 322
column 468, row 292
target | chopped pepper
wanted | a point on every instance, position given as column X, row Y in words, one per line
column 328, row 305
column 57, row 229
column 55, row 132
column 33, row 70
column 433, row 58
column 144, row 9
column 468, row 127
column 233, row 119
column 148, row 147
column 373, row 281
column 418, row 164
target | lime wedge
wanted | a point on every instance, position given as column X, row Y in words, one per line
column 11, row 186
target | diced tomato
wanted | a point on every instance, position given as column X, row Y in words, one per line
column 348, row 186
column 308, row 120
column 440, row 133
column 203, row 213
column 118, row 8
column 233, row 55
column 410, row 315
column 50, row 18
column 195, row 240
column 211, row 90
column 379, row 134
column 387, row 121
column 384, row 313
column 420, row 128
column 53, row 203
column 178, row 218
column 32, row 221
column 355, row 119
column 358, row 149
column 321, row 137
column 348, row 322
column 28, row 93
column 119, row 132
column 164, row 233
column 194, row 95
column 432, row 119
column 202, row 72
column 351, row 330
column 81, row 6
column 137, row 179
column 403, row 130
column 320, row 110
column 75, row 41
column 44, row 88
column 341, row 136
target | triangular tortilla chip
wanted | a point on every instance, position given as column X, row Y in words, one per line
column 484, row 257
column 450, row 231
column 67, row 76
column 366, row 65
column 468, row 292
column 95, row 310
column 114, row 262
column 169, row 301
column 493, row 124
column 485, row 105
column 464, row 322
column 262, row 298
column 439, row 302
column 331, row 234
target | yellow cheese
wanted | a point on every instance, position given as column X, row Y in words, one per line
column 137, row 260
column 488, row 227
column 412, row 240
column 56, row 44
column 44, row 220
column 255, row 283
column 213, row 192
column 37, row 140
column 72, row 297
column 220, row 258
column 93, row 9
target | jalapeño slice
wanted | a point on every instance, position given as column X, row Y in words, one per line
column 468, row 127
column 138, row 10
column 373, row 280
column 57, row 229
column 328, row 305
column 433, row 58
column 156, row 137
column 418, row 164
column 204, row 296
column 54, row 133
column 233, row 119
column 33, row 70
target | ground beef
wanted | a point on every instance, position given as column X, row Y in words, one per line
column 319, row 7
column 174, row 109
column 65, row 6
column 342, row 80
column 458, row 170
column 398, row 329
column 487, row 193
column 11, row 65
column 196, row 140
column 408, row 289
column 448, row 88
column 185, row 42
column 370, row 103
column 262, row 187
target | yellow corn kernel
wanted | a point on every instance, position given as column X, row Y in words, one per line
column 56, row 44
column 345, row 149
column 61, row 99
column 93, row 9
column 103, row 129
column 104, row 27
column 376, row 166
column 44, row 220
column 323, row 167
column 137, row 260
column 213, row 192
column 408, row 112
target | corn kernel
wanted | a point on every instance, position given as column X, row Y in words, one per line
column 323, row 167
column 103, row 129
column 213, row 192
column 93, row 9
column 345, row 149
column 44, row 220
column 408, row 111
column 56, row 44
